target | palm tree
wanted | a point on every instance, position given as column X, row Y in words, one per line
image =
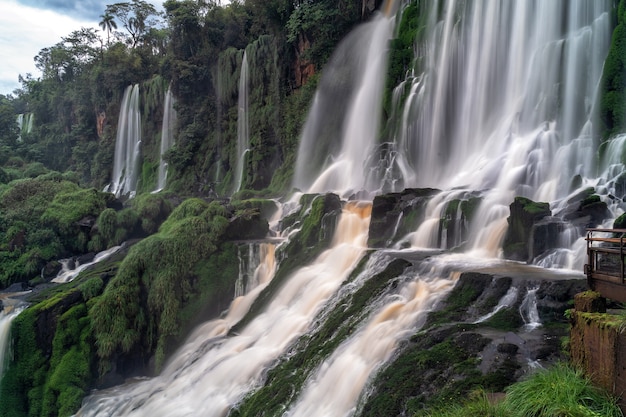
column 107, row 24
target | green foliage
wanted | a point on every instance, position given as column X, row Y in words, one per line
column 613, row 83
column 559, row 391
column 68, row 207
column 323, row 23
column 141, row 308
column 53, row 354
column 286, row 379
column 39, row 222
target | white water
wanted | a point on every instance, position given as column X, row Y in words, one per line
column 127, row 145
column 480, row 115
column 256, row 266
column 243, row 129
column 67, row 274
column 528, row 310
column 167, row 135
column 344, row 170
column 24, row 124
column 211, row 375
column 506, row 301
column 338, row 383
column 7, row 315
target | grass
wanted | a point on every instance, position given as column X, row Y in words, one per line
column 560, row 391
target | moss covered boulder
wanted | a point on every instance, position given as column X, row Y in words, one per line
column 396, row 214
column 525, row 214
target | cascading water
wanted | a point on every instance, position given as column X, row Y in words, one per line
column 498, row 105
column 243, row 134
column 127, row 145
column 352, row 112
column 68, row 273
column 257, row 263
column 212, row 373
column 7, row 315
column 167, row 135
column 528, row 310
column 335, row 388
column 505, row 302
column 24, row 124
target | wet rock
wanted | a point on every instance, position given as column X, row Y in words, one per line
column 525, row 214
column 397, row 214
column 51, row 269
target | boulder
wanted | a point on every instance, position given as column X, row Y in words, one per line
column 525, row 214
column 396, row 214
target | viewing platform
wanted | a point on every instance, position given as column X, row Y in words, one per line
column 605, row 268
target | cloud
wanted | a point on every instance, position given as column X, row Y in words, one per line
column 77, row 9
column 24, row 31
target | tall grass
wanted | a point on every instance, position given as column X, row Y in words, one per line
column 560, row 391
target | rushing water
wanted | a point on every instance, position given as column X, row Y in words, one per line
column 70, row 268
column 498, row 104
column 127, row 145
column 209, row 378
column 167, row 135
column 7, row 315
column 243, row 134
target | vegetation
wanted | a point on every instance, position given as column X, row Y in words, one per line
column 140, row 310
column 179, row 265
column 285, row 380
column 558, row 391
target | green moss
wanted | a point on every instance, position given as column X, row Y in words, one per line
column 613, row 83
column 265, row 207
column 143, row 306
column 507, row 319
column 620, row 222
column 286, row 379
column 434, row 368
column 591, row 199
column 53, row 359
column 39, row 222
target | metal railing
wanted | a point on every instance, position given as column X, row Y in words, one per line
column 605, row 268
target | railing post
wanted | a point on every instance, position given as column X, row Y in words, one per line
column 621, row 257
column 590, row 260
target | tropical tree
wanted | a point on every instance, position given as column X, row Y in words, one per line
column 107, row 24
column 137, row 17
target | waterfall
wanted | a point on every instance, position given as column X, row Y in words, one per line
column 243, row 134
column 351, row 112
column 528, row 310
column 210, row 373
column 24, row 124
column 335, row 388
column 257, row 263
column 501, row 102
column 167, row 135
column 127, row 145
column 7, row 315
column 498, row 104
column 505, row 302
column 71, row 267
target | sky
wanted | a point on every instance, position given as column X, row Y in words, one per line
column 27, row 26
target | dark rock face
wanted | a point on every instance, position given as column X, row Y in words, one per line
column 51, row 270
column 387, row 224
column 544, row 236
column 249, row 225
column 585, row 210
column 525, row 214
column 435, row 363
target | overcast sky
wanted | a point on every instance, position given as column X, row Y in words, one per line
column 27, row 26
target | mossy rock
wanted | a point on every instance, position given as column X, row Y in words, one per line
column 265, row 207
column 386, row 212
column 525, row 214
column 620, row 222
